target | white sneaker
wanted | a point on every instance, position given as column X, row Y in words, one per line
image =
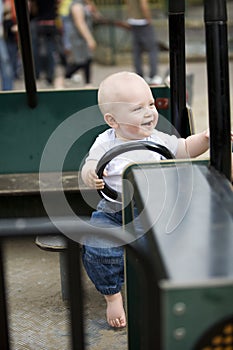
column 147, row 79
column 156, row 80
column 167, row 80
column 76, row 78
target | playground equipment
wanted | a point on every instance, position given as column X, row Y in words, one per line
column 190, row 296
column 191, row 288
column 107, row 191
column 163, row 301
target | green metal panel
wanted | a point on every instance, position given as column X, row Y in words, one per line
column 188, row 312
column 24, row 131
column 183, row 310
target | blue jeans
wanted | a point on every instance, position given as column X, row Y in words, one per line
column 5, row 67
column 144, row 40
column 44, row 49
column 67, row 24
column 105, row 266
column 12, row 47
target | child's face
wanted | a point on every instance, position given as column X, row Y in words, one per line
column 137, row 116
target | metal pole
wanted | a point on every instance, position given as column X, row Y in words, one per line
column 4, row 337
column 76, row 295
column 176, row 10
column 21, row 8
column 215, row 16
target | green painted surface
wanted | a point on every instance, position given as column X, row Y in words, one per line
column 24, row 132
column 204, row 307
column 207, row 303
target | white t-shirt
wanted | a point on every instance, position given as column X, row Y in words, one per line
column 107, row 140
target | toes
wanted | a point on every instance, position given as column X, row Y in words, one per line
column 122, row 322
column 117, row 322
column 114, row 323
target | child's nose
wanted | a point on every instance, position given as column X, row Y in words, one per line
column 148, row 111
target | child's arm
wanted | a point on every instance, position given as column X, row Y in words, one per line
column 232, row 158
column 90, row 177
column 80, row 22
column 145, row 9
column 193, row 145
column 232, row 166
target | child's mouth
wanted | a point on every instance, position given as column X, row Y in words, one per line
column 147, row 123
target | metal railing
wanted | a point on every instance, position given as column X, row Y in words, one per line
column 25, row 227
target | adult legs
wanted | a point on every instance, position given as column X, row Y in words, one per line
column 5, row 67
column 44, row 49
column 35, row 47
column 87, row 71
column 151, row 46
column 137, row 50
column 48, row 50
column 14, row 57
column 74, row 67
column 50, row 62
column 144, row 40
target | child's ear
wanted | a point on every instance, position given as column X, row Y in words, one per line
column 110, row 120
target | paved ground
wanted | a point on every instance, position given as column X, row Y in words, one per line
column 39, row 319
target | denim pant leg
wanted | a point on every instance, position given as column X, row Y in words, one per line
column 137, row 51
column 5, row 67
column 35, row 47
column 105, row 266
column 151, row 47
column 50, row 68
column 144, row 40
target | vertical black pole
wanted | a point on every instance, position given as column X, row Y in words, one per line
column 215, row 16
column 21, row 7
column 4, row 339
column 176, row 10
column 76, row 295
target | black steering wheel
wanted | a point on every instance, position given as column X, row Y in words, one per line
column 107, row 191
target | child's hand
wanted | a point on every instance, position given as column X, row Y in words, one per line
column 207, row 133
column 93, row 181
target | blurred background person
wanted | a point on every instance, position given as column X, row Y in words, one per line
column 64, row 14
column 81, row 37
column 44, row 33
column 5, row 64
column 143, row 40
column 11, row 37
column 66, row 24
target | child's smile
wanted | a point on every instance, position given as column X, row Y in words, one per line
column 148, row 124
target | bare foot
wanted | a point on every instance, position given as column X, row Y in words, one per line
column 115, row 310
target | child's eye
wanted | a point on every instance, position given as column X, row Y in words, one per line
column 136, row 109
column 152, row 104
